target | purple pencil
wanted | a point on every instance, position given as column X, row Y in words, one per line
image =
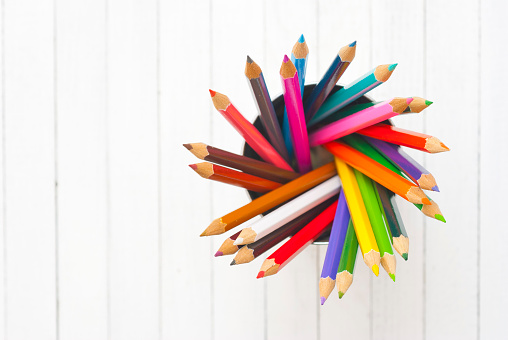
column 296, row 115
column 334, row 250
column 403, row 161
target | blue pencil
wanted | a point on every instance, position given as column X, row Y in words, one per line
column 299, row 59
column 330, row 78
column 353, row 91
column 334, row 250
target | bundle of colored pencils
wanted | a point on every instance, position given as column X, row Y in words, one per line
column 301, row 196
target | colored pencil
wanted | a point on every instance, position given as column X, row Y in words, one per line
column 403, row 161
column 299, row 56
column 251, row 251
column 378, row 173
column 296, row 244
column 248, row 165
column 411, row 139
column 334, row 249
column 245, row 128
column 265, row 107
column 361, row 222
column 296, row 115
column 330, row 78
column 270, row 200
column 347, row 261
column 374, row 212
column 228, row 247
column 360, row 144
column 400, row 240
column 289, row 211
column 229, row 176
column 353, row 91
column 418, row 105
column 359, row 120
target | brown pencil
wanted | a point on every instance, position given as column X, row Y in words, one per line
column 229, row 176
column 248, row 165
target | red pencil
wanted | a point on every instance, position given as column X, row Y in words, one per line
column 296, row 244
column 229, row 176
column 411, row 139
column 251, row 135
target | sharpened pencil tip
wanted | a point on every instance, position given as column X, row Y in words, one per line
column 203, row 234
column 219, row 253
column 353, row 44
column 428, row 103
column 260, row 275
column 445, row 147
column 187, row 146
column 440, row 217
column 392, row 276
column 375, row 269
column 233, row 263
column 301, row 40
column 425, row 201
column 212, row 93
column 323, row 299
column 341, row 294
column 286, row 59
column 404, row 256
column 392, row 67
column 249, row 60
column 193, row 166
column 435, row 188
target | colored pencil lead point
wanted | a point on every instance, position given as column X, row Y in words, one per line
column 341, row 294
column 404, row 256
column 440, row 217
column 286, row 59
column 428, row 102
column 260, row 275
column 392, row 276
column 301, row 39
column 218, row 253
column 375, row 269
column 233, row 263
column 249, row 60
column 352, row 44
column 435, row 188
column 238, row 241
column 445, row 147
column 187, row 146
column 323, row 299
column 392, row 67
column 212, row 93
column 426, row 201
column 193, row 166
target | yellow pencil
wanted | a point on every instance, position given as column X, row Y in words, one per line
column 361, row 222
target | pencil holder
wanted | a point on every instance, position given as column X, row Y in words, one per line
column 319, row 155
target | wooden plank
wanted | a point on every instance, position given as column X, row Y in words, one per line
column 451, row 251
column 493, row 232
column 403, row 319
column 133, row 169
column 30, row 170
column 236, row 30
column 295, row 288
column 186, row 210
column 341, row 24
column 82, row 169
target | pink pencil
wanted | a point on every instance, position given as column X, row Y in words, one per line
column 296, row 115
column 359, row 120
column 248, row 131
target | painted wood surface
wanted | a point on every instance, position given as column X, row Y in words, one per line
column 101, row 215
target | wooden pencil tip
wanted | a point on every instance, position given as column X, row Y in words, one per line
column 444, row 147
column 217, row 227
column 301, row 39
column 287, row 69
column 249, row 60
column 428, row 102
column 212, row 93
column 341, row 294
column 260, row 275
column 218, row 253
column 193, row 166
column 252, row 70
column 392, row 67
column 286, row 59
column 352, row 44
column 323, row 299
column 375, row 269
column 440, row 218
column 233, row 263
column 404, row 256
column 435, row 188
column 188, row 146
column 392, row 276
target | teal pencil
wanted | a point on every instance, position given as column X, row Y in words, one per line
column 353, row 91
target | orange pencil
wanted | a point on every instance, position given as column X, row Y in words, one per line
column 411, row 139
column 229, row 176
column 378, row 172
column 270, row 200
column 251, row 135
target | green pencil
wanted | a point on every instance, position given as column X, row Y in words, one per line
column 347, row 261
column 382, row 235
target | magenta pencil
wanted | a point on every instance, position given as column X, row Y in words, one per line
column 359, row 120
column 296, row 115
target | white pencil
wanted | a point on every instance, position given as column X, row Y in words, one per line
column 289, row 211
